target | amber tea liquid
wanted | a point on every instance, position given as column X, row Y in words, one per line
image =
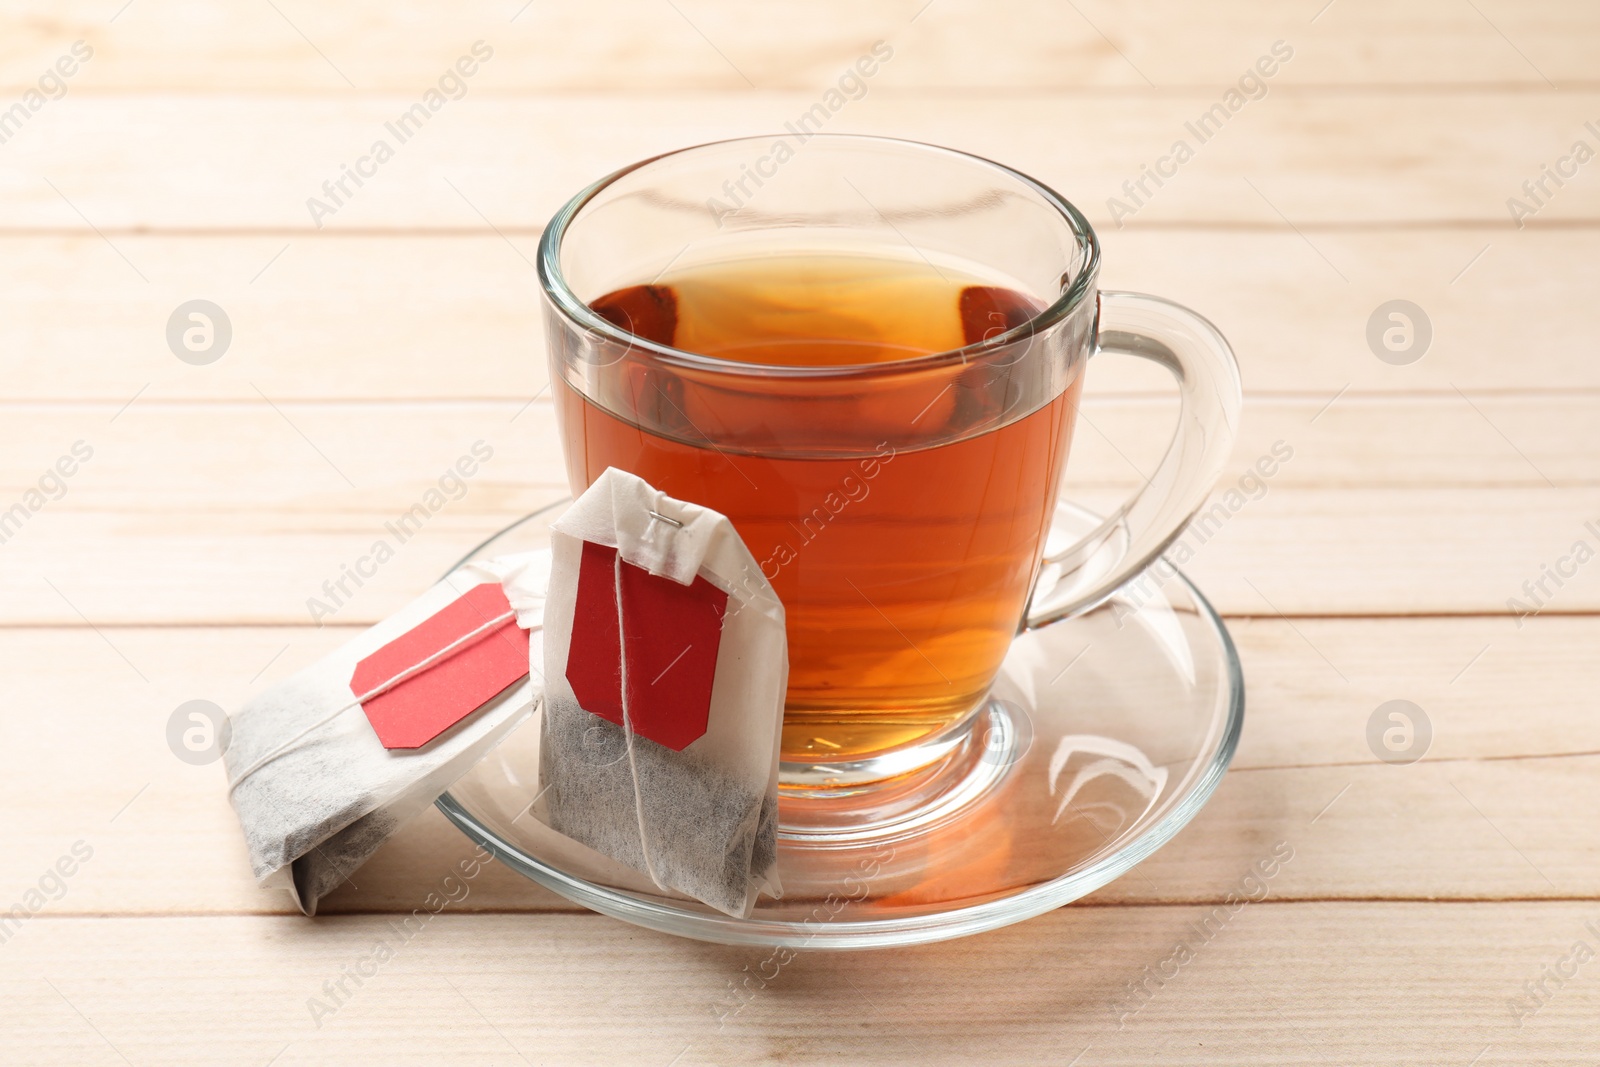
column 904, row 567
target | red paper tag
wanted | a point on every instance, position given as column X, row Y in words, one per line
column 428, row 703
column 673, row 633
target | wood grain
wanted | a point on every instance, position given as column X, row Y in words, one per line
column 1278, row 985
column 349, row 458
column 1507, row 757
column 458, row 317
column 175, row 519
column 1294, row 160
column 1421, row 503
column 1400, row 550
column 610, row 45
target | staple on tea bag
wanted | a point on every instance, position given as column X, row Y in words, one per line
column 315, row 789
column 666, row 663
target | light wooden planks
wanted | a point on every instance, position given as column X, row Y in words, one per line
column 445, row 317
column 1307, row 160
column 1297, row 551
column 716, row 44
column 1278, row 985
column 355, row 459
column 1403, row 496
column 240, row 512
column 1512, row 753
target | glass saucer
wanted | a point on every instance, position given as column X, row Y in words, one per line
column 1105, row 733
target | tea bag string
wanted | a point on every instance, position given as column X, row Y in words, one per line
column 375, row 691
column 627, row 723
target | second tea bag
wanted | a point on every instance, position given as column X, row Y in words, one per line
column 666, row 664
column 324, row 766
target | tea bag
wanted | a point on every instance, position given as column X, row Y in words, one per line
column 324, row 766
column 665, row 663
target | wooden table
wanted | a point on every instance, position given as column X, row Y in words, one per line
column 1430, row 913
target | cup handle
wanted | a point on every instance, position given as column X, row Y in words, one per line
column 1198, row 356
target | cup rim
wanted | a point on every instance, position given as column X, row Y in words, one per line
column 554, row 285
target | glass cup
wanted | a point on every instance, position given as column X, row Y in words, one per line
column 900, row 508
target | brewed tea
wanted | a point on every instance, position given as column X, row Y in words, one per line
column 900, row 526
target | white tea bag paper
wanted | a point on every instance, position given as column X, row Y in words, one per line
column 324, row 766
column 665, row 665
